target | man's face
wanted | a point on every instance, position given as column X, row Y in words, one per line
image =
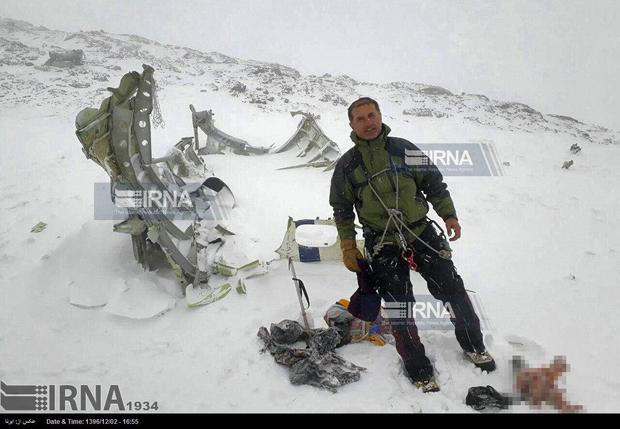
column 366, row 122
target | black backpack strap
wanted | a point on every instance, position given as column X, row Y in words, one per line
column 302, row 288
column 354, row 162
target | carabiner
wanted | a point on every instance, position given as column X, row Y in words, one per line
column 408, row 254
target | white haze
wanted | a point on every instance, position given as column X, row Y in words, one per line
column 557, row 56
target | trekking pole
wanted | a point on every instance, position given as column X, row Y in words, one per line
column 300, row 289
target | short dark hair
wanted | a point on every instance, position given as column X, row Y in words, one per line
column 361, row 102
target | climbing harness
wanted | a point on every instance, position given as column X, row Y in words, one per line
column 395, row 216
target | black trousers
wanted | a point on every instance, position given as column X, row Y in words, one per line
column 391, row 274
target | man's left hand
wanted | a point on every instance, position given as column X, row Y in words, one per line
column 452, row 225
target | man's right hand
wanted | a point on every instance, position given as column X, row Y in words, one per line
column 350, row 255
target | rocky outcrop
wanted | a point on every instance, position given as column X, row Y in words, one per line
column 77, row 60
column 72, row 58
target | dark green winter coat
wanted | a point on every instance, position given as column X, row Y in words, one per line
column 384, row 161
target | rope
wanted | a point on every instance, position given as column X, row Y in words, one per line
column 395, row 215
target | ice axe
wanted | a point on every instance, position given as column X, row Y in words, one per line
column 300, row 288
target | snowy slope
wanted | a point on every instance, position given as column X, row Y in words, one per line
column 537, row 247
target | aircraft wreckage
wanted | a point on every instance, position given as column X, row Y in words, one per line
column 192, row 238
column 314, row 146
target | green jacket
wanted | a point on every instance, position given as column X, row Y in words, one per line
column 384, row 162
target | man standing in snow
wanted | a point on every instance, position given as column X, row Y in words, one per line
column 391, row 199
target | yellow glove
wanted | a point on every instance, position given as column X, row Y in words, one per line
column 350, row 255
column 377, row 340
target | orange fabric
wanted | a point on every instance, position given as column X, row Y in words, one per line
column 343, row 302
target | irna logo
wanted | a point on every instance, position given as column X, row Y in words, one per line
column 456, row 159
column 61, row 398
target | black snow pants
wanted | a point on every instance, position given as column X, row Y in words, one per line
column 391, row 274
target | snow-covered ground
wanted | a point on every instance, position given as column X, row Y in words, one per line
column 525, row 235
column 539, row 248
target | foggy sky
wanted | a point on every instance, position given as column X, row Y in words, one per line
column 558, row 56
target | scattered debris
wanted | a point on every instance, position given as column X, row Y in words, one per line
column 481, row 397
column 301, row 253
column 183, row 238
column 228, row 270
column 315, row 363
column 205, row 294
column 354, row 330
column 567, row 164
column 312, row 142
column 241, row 287
column 218, row 140
column 38, row 227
